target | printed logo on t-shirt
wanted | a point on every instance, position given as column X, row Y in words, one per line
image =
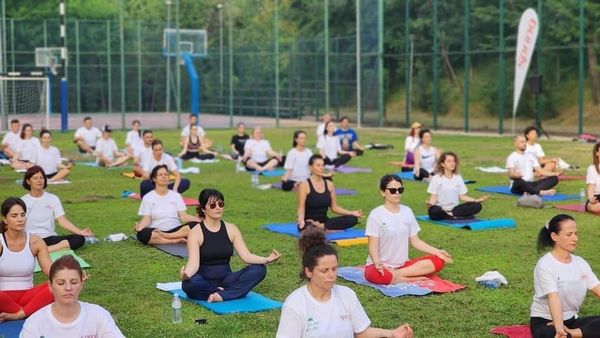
column 95, row 335
column 384, row 227
column 345, row 316
column 312, row 324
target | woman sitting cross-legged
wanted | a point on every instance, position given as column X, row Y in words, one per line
column 207, row 274
column 296, row 162
column 18, row 253
column 162, row 212
column 68, row 316
column 426, row 155
column 390, row 228
column 316, row 195
column 43, row 208
column 561, row 280
column 321, row 308
column 194, row 148
column 446, row 188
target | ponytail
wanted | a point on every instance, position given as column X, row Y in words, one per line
column 544, row 239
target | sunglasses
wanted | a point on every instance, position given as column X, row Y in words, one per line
column 213, row 205
column 395, row 191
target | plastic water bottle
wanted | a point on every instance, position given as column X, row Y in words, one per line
column 179, row 163
column 254, row 180
column 582, row 196
column 238, row 166
column 176, row 306
column 491, row 284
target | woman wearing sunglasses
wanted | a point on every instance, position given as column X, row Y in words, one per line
column 390, row 228
column 447, row 188
column 163, row 210
column 207, row 274
column 316, row 195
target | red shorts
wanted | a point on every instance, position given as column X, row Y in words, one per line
column 373, row 276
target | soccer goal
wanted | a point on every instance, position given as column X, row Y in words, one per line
column 26, row 99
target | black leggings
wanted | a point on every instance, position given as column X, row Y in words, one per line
column 146, row 233
column 75, row 241
column 589, row 326
column 422, row 174
column 336, row 223
column 288, row 185
column 340, row 160
column 464, row 210
column 190, row 155
column 533, row 188
column 147, row 186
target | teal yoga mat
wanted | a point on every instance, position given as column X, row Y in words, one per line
column 253, row 302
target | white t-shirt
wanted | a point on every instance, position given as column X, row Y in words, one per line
column 524, row 163
column 185, row 132
column 258, row 149
column 427, row 158
column 41, row 213
column 48, row 159
column 134, row 140
column 447, row 190
column 149, row 163
column 330, row 145
column 143, row 154
column 93, row 322
column 570, row 280
column 106, row 148
column 90, row 136
column 535, row 150
column 341, row 316
column 394, row 231
column 29, row 149
column 163, row 210
column 297, row 161
column 593, row 177
column 320, row 130
column 12, row 140
column 411, row 143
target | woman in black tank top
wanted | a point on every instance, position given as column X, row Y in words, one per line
column 194, row 148
column 207, row 274
column 316, row 195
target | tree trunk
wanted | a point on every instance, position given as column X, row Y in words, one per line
column 593, row 69
column 448, row 66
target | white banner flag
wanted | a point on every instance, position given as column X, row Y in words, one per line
column 529, row 26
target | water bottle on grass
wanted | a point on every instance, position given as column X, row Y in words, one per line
column 582, row 196
column 176, row 306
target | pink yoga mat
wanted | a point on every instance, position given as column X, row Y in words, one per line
column 570, row 178
column 514, row 331
column 187, row 200
column 572, row 207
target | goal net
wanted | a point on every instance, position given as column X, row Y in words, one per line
column 26, row 99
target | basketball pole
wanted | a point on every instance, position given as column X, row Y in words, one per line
column 3, row 112
column 64, row 88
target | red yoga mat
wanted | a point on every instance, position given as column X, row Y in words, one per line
column 514, row 331
column 570, row 178
column 572, row 207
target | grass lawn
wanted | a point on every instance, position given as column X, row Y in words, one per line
column 124, row 274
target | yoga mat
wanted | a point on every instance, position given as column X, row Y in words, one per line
column 505, row 190
column 195, row 160
column 419, row 288
column 351, row 241
column 57, row 254
column 253, row 302
column 174, row 249
column 350, row 170
column 514, row 331
column 132, row 175
column 12, row 328
column 20, row 182
column 93, row 164
column 474, row 224
column 291, row 230
column 493, row 170
column 272, row 173
column 579, row 207
column 187, row 200
column 338, row 191
column 409, row 176
column 570, row 178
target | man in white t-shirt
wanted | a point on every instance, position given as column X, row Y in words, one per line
column 522, row 169
column 258, row 155
column 86, row 136
column 185, row 132
column 535, row 149
column 159, row 157
column 107, row 153
column 143, row 154
column 11, row 143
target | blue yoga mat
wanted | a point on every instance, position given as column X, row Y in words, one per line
column 290, row 229
column 475, row 224
column 505, row 190
column 11, row 329
column 253, row 302
column 355, row 275
column 409, row 176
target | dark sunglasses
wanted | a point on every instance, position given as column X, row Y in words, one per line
column 213, row 205
column 395, row 190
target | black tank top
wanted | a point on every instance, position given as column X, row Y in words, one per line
column 316, row 204
column 193, row 147
column 216, row 248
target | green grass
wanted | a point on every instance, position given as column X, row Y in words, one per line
column 123, row 274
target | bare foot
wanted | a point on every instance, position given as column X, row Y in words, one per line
column 398, row 279
column 575, row 333
column 214, row 298
column 548, row 192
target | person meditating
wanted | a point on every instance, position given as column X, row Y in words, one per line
column 194, row 148
column 207, row 274
column 447, row 188
column 48, row 157
column 68, row 316
column 522, row 169
column 258, row 155
column 426, row 156
column 316, row 195
column 296, row 162
column 561, row 280
column 163, row 210
column 592, row 180
column 320, row 308
column 18, row 253
column 331, row 149
column 158, row 157
column 43, row 208
column 390, row 228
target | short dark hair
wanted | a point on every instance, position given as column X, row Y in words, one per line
column 386, row 179
column 422, row 132
column 344, row 118
column 544, row 239
column 314, row 158
column 13, row 121
column 155, row 170
column 136, row 121
column 527, row 130
column 87, row 118
column 29, row 174
column 156, row 141
column 147, row 131
column 45, row 131
column 205, row 196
